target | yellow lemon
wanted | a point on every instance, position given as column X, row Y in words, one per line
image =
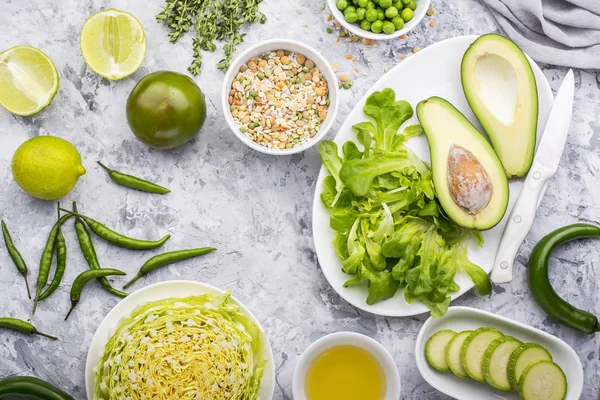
column 47, row 167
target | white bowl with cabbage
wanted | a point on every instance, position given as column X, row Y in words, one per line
column 180, row 340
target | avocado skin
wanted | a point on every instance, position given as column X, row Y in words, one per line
column 516, row 164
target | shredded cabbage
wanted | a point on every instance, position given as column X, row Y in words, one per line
column 199, row 347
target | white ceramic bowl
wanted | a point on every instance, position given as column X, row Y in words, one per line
column 347, row 338
column 160, row 291
column 298, row 48
column 467, row 318
column 422, row 6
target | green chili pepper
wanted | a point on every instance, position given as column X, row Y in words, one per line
column 46, row 259
column 15, row 256
column 167, row 258
column 31, row 388
column 61, row 263
column 116, row 238
column 133, row 182
column 89, row 253
column 541, row 288
column 83, row 279
column 22, row 326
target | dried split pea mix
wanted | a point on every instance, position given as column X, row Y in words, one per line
column 279, row 99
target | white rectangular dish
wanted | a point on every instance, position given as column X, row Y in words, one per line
column 466, row 318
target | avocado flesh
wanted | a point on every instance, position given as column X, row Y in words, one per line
column 500, row 87
column 469, row 180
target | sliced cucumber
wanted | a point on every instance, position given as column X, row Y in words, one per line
column 543, row 380
column 524, row 355
column 435, row 349
column 473, row 349
column 495, row 361
column 453, row 354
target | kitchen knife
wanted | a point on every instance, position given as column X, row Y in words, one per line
column 543, row 169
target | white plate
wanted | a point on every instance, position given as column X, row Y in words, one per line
column 160, row 291
column 466, row 318
column 434, row 71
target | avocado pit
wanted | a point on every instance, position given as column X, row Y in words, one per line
column 469, row 184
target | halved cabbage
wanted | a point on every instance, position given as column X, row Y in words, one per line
column 200, row 347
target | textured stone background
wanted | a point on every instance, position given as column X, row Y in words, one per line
column 256, row 209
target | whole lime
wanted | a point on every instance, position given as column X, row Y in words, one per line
column 166, row 109
column 47, row 167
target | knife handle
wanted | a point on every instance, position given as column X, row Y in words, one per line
column 520, row 222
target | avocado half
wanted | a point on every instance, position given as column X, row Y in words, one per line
column 469, row 180
column 500, row 87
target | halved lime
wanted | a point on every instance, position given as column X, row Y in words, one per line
column 113, row 43
column 28, row 80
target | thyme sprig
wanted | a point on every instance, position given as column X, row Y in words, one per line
column 212, row 20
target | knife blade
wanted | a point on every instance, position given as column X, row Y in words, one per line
column 545, row 165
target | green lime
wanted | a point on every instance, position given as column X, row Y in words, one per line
column 28, row 80
column 113, row 44
column 47, row 167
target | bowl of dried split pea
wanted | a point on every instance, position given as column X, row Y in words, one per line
column 280, row 97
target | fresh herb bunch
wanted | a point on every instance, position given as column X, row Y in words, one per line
column 213, row 20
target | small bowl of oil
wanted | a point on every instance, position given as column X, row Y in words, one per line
column 346, row 365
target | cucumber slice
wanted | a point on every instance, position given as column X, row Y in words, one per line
column 524, row 355
column 495, row 361
column 543, row 380
column 473, row 349
column 435, row 349
column 453, row 354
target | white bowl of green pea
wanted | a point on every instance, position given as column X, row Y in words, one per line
column 379, row 19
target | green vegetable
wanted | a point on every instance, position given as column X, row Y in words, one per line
column 167, row 258
column 341, row 4
column 390, row 230
column 453, row 354
column 61, row 263
column 407, row 14
column 199, row 344
column 116, row 238
column 495, row 361
column 351, row 16
column 540, row 286
column 391, row 12
column 371, row 15
column 548, row 374
column 22, row 326
column 365, row 25
column 435, row 349
column 388, row 27
column 360, row 12
column 412, row 4
column 362, row 3
column 83, row 279
column 31, row 388
column 89, row 253
column 133, row 182
column 522, row 357
column 380, row 14
column 15, row 256
column 385, row 3
column 46, row 259
column 212, row 20
column 473, row 351
column 398, row 23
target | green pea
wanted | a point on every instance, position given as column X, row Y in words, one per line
column 371, row 15
column 398, row 4
column 398, row 23
column 243, row 129
column 351, row 16
column 371, row 4
column 377, row 27
column 261, row 76
column 412, row 5
column 341, row 4
column 380, row 14
column 407, row 14
column 388, row 27
column 349, row 9
column 362, row 3
column 391, row 12
column 405, row 2
column 346, row 86
column 268, row 73
column 385, row 3
column 253, row 93
column 361, row 13
column 366, row 25
column 329, row 30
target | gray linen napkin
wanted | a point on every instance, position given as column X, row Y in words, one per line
column 557, row 32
